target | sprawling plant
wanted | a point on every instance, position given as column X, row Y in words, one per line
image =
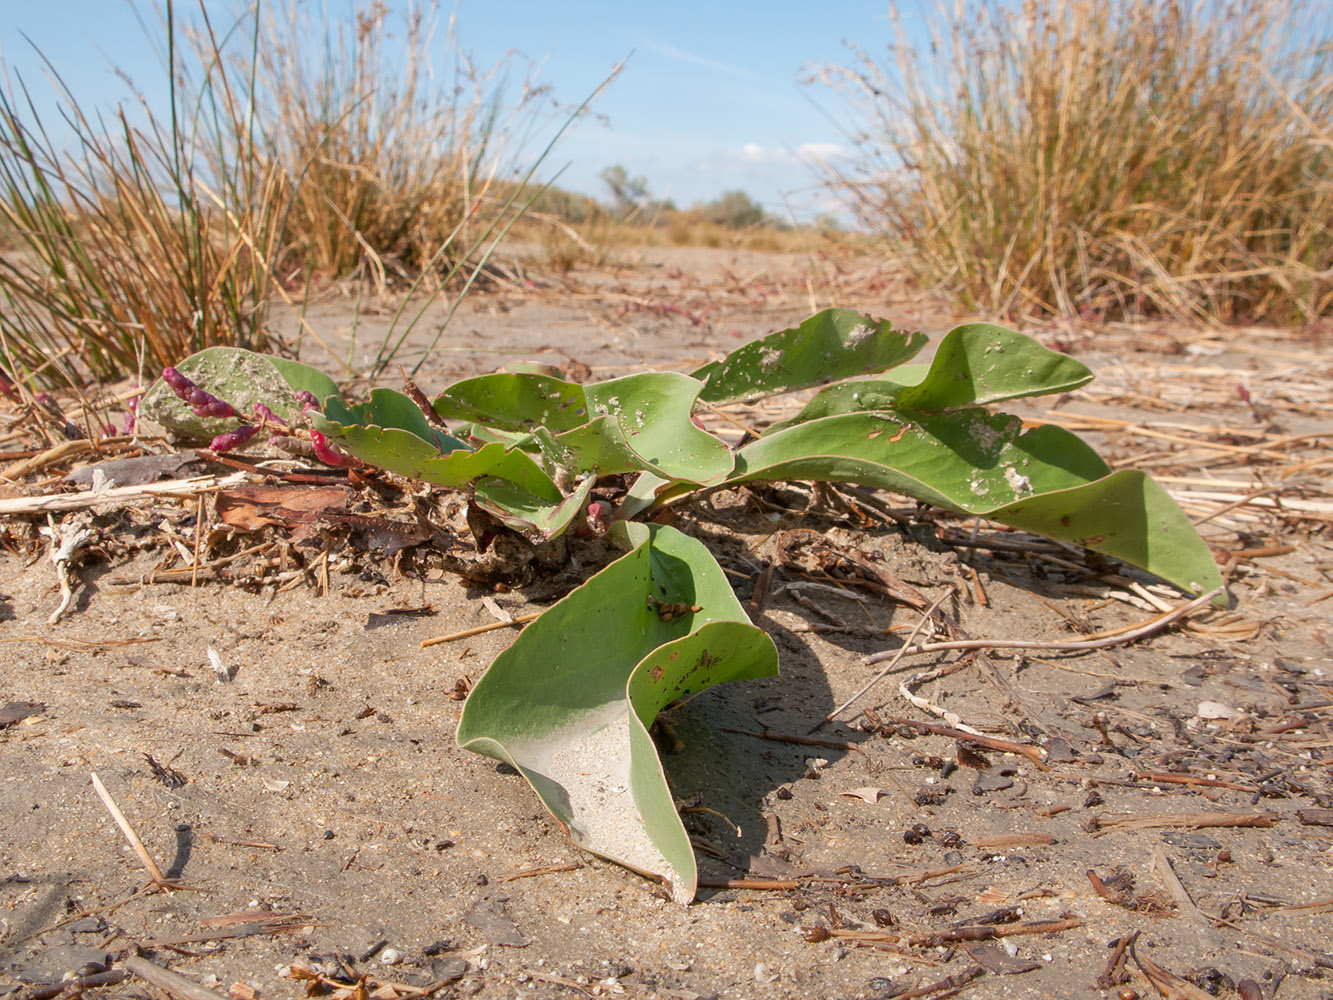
column 570, row 702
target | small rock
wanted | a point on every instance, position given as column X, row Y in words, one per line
column 991, row 781
column 53, row 964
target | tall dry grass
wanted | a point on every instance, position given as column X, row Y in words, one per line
column 1103, row 157
column 293, row 144
column 142, row 237
column 390, row 154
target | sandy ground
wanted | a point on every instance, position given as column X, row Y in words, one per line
column 321, row 783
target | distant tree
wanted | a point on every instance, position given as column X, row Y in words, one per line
column 734, row 210
column 629, row 194
column 567, row 205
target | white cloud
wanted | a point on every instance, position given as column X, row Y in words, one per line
column 755, row 154
column 821, row 151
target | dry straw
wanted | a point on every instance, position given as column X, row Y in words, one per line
column 292, row 145
column 1099, row 159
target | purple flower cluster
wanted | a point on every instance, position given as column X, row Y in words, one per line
column 204, row 404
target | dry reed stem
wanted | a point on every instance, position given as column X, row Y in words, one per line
column 145, row 858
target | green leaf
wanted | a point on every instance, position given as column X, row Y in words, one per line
column 239, row 377
column 975, row 365
column 1046, row 480
column 304, row 378
column 640, row 422
column 527, row 513
column 569, row 703
column 395, row 448
column 833, row 344
column 981, row 363
column 515, row 402
column 391, row 410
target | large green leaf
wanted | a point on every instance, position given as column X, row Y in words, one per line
column 515, row 402
column 640, row 422
column 569, row 703
column 834, row 344
column 391, row 410
column 241, row 378
column 975, row 365
column 1045, row 480
column 409, row 453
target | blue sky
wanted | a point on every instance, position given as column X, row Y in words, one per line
column 708, row 100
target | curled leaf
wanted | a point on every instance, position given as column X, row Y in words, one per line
column 570, row 702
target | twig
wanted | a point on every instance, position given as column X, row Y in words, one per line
column 925, row 704
column 784, row 884
column 467, row 633
column 809, row 741
column 893, row 659
column 173, row 982
column 117, row 495
column 154, row 872
column 66, row 539
column 1154, row 821
column 1184, row 902
column 990, row 742
column 1152, row 625
column 198, row 538
column 541, row 870
column 1167, row 983
column 76, row 985
column 54, row 454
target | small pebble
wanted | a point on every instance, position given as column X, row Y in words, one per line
column 1128, row 993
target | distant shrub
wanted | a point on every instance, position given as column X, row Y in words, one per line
column 733, row 210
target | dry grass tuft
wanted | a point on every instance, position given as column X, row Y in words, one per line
column 133, row 244
column 387, row 163
column 1079, row 157
column 292, row 145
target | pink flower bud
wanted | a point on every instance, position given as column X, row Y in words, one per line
column 233, row 439
column 599, row 517
column 267, row 416
column 327, row 453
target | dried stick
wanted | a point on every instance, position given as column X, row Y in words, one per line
column 154, row 872
column 467, row 633
column 1183, row 900
column 1194, row 820
column 172, row 982
column 66, row 539
column 893, row 659
column 990, row 742
column 75, row 985
column 117, row 495
column 1073, row 645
